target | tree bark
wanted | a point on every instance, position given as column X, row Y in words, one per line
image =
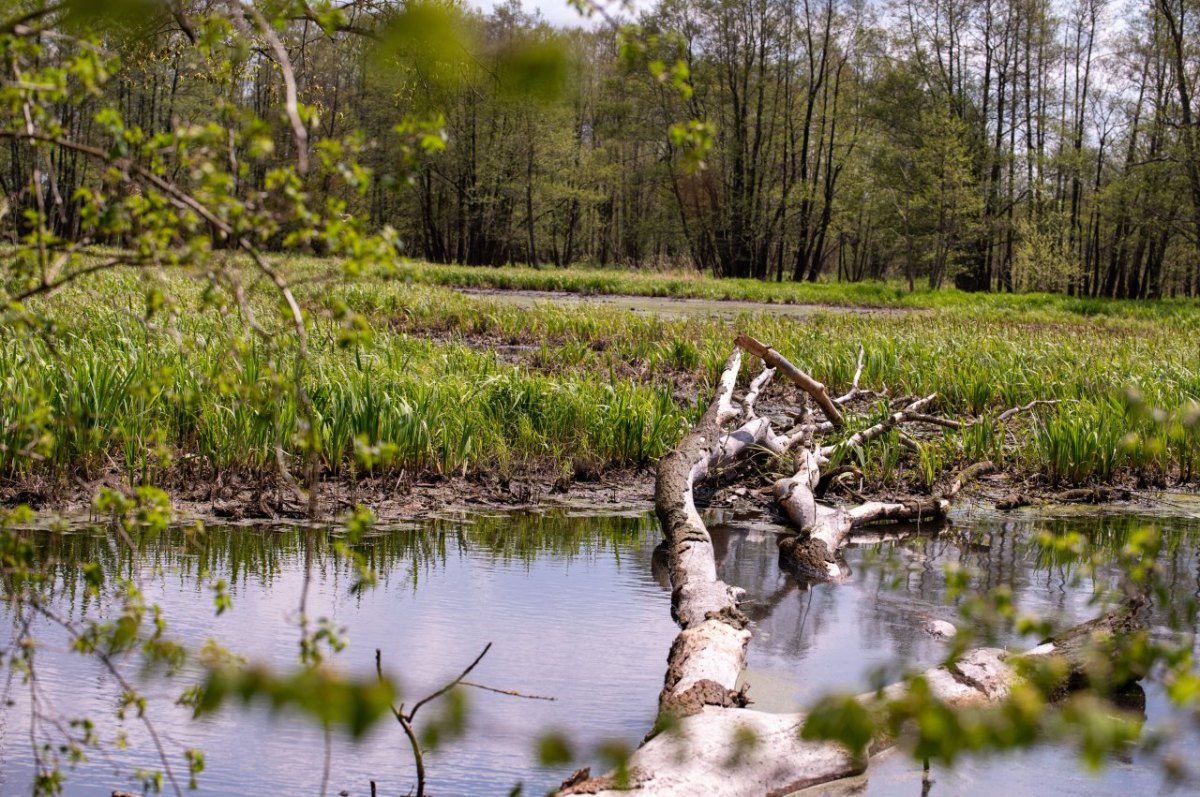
column 710, row 651
column 707, row 752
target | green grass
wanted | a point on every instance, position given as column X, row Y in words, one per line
column 980, row 354
column 105, row 390
column 698, row 286
column 454, row 384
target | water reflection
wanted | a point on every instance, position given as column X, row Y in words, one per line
column 569, row 603
column 813, row 638
column 578, row 608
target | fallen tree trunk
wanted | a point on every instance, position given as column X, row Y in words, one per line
column 710, row 752
column 717, row 746
column 710, row 650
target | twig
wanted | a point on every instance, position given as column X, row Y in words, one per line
column 854, row 389
column 413, row 711
column 54, row 284
column 509, row 692
column 292, row 101
column 406, row 718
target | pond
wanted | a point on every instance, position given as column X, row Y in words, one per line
column 569, row 604
column 576, row 610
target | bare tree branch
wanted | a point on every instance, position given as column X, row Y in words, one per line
column 811, row 386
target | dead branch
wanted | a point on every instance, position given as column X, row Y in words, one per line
column 407, row 718
column 969, row 474
column 809, row 385
column 881, row 428
column 507, row 692
column 854, row 390
column 1075, row 495
column 933, row 420
column 756, row 387
column 1008, row 414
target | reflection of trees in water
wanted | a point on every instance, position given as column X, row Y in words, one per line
column 897, row 582
column 1052, row 581
column 262, row 553
column 900, row 582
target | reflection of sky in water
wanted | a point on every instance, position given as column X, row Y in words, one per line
column 590, row 627
column 575, row 612
column 808, row 641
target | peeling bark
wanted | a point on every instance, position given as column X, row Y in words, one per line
column 710, row 651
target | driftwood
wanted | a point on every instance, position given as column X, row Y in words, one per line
column 716, row 746
column 1076, row 495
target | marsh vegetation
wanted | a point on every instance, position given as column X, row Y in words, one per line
column 432, row 383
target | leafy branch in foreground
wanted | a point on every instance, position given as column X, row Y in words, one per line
column 179, row 199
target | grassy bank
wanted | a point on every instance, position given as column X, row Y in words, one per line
column 452, row 384
column 201, row 394
column 979, row 357
column 692, row 285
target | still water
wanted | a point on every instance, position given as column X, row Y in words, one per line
column 575, row 609
column 810, row 640
column 569, row 604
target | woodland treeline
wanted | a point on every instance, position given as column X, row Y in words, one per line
column 988, row 144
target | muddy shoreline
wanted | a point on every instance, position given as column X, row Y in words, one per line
column 232, row 498
column 241, row 499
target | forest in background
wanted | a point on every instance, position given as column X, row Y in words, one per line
column 988, row 144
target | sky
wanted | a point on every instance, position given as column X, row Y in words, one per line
column 559, row 12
